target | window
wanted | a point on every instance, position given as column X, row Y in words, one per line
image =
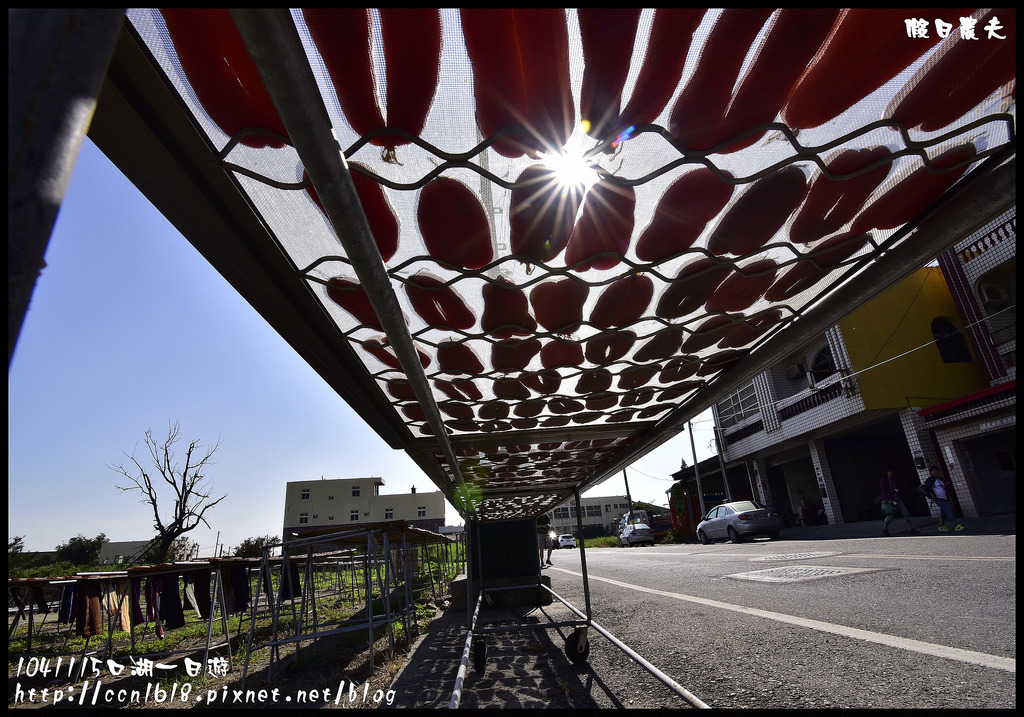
column 607, row 508
column 305, row 494
column 315, row 516
column 738, row 406
column 951, row 343
column 389, row 513
column 561, row 513
column 353, row 515
column 823, row 365
column 355, row 491
column 303, row 518
column 330, row 517
column 421, row 511
column 330, row 497
column 593, row 511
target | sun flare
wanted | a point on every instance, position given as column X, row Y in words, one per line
column 571, row 168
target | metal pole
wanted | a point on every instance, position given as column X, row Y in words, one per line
column 696, row 469
column 273, row 41
column 461, row 676
column 721, row 464
column 252, row 614
column 58, row 62
column 629, row 498
column 368, row 586
column 209, row 629
column 219, row 595
column 583, row 564
column 386, row 592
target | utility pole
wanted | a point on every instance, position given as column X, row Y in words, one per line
column 721, row 464
column 696, row 470
column 629, row 498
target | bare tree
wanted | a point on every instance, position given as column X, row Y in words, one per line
column 193, row 492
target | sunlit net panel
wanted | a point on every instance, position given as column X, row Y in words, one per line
column 529, row 468
column 522, row 337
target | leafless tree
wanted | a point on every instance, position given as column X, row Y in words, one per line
column 193, row 492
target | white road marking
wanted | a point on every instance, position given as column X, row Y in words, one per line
column 996, row 558
column 995, row 662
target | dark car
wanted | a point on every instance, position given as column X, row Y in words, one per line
column 738, row 521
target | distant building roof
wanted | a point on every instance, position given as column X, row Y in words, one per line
column 127, row 550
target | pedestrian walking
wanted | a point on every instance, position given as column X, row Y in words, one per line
column 935, row 488
column 544, row 537
column 891, row 497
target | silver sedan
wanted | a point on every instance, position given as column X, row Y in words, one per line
column 637, row 534
column 737, row 521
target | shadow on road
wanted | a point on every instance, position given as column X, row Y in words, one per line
column 524, row 668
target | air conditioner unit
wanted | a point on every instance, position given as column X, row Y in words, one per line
column 993, row 296
column 795, row 371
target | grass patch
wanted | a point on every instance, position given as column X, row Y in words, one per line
column 608, row 541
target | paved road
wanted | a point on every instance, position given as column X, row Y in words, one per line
column 828, row 617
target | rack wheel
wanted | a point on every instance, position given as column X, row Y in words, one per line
column 573, row 648
column 479, row 654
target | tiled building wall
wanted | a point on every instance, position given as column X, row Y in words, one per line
column 800, row 413
column 988, row 257
column 947, row 438
column 995, row 419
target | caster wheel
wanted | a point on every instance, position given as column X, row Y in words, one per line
column 573, row 651
column 479, row 655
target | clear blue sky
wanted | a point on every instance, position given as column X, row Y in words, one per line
column 131, row 329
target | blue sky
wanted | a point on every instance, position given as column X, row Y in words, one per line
column 130, row 329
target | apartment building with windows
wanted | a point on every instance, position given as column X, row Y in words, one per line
column 345, row 503
column 924, row 374
column 601, row 511
column 975, row 433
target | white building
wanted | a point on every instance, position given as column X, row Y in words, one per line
column 346, row 503
column 603, row 511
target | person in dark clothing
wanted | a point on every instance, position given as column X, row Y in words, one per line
column 543, row 537
column 891, row 495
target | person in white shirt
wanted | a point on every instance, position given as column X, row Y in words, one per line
column 935, row 489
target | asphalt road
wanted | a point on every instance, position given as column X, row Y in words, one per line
column 827, row 617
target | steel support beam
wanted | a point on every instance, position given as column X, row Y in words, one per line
column 57, row 61
column 274, row 44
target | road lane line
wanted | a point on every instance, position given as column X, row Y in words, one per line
column 998, row 559
column 1008, row 664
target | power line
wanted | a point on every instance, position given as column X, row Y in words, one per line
column 645, row 475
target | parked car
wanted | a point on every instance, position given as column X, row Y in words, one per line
column 636, row 534
column 738, row 521
column 566, row 541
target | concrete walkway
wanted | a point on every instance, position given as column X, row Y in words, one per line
column 1005, row 524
